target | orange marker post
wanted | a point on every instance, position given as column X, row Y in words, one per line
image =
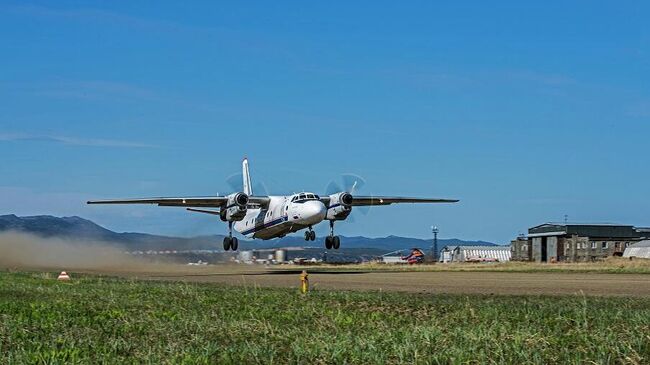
column 63, row 276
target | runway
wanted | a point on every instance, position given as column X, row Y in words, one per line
column 479, row 282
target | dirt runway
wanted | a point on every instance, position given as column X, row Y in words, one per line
column 512, row 283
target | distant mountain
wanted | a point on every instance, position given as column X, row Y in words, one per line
column 390, row 243
column 79, row 229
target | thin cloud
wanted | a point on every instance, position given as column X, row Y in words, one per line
column 103, row 90
column 72, row 141
column 91, row 90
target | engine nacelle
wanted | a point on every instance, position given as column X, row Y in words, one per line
column 235, row 209
column 340, row 206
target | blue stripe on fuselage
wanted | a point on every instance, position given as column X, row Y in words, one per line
column 265, row 225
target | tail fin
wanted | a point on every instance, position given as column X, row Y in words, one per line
column 248, row 187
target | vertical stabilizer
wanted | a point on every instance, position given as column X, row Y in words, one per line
column 248, row 188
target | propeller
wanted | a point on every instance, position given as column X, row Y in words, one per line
column 350, row 183
column 236, row 183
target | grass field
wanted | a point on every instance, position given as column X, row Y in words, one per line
column 106, row 320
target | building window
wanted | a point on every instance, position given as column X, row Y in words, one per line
column 524, row 247
column 593, row 245
column 604, row 245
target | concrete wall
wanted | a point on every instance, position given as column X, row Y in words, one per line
column 520, row 249
column 537, row 249
column 551, row 249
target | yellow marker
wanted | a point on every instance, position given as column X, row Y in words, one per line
column 304, row 282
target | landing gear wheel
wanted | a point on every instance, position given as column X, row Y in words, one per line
column 234, row 243
column 312, row 235
column 307, row 235
column 336, row 242
column 328, row 242
column 226, row 243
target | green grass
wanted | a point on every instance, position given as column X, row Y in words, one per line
column 107, row 320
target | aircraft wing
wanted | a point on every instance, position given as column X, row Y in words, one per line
column 205, row 202
column 387, row 200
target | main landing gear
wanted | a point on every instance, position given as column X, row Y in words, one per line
column 310, row 235
column 332, row 241
column 230, row 242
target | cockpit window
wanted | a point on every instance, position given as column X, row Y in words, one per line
column 303, row 197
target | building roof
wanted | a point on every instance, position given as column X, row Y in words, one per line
column 640, row 244
column 487, row 248
column 499, row 253
column 640, row 249
column 595, row 230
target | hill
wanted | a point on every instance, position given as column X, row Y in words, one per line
column 80, row 229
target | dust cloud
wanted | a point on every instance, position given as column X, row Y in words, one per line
column 25, row 251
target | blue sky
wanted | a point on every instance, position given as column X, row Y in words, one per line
column 524, row 112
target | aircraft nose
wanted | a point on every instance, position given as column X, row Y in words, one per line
column 315, row 211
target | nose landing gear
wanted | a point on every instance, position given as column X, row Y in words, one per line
column 332, row 241
column 230, row 242
column 310, row 235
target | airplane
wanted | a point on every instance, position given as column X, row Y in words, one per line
column 267, row 217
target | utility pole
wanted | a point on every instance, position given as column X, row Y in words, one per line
column 434, row 249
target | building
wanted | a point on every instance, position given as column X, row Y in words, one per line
column 519, row 249
column 446, row 254
column 573, row 242
column 475, row 254
column 638, row 250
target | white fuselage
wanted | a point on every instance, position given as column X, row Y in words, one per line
column 284, row 215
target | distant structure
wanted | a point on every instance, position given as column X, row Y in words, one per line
column 575, row 242
column 280, row 255
column 475, row 254
column 263, row 256
column 434, row 249
column 639, row 250
column 394, row 257
column 447, row 254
